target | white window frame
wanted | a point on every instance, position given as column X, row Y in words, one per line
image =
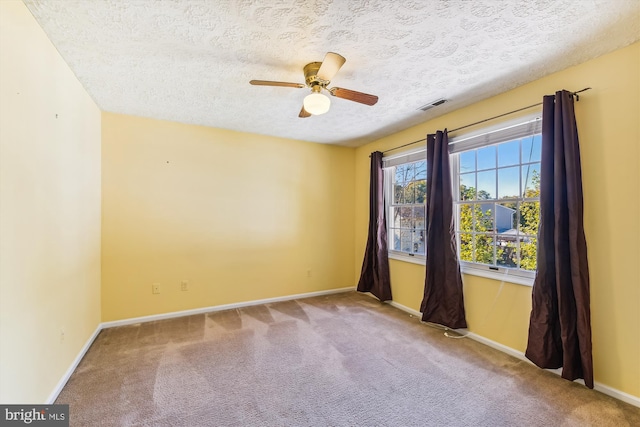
column 503, row 132
column 410, row 156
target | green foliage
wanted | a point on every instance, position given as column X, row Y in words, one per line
column 529, row 217
column 530, row 211
column 528, row 253
column 469, row 193
column 473, row 219
column 466, row 247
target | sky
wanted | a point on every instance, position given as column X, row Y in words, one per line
column 498, row 172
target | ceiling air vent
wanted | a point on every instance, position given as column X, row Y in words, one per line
column 433, row 104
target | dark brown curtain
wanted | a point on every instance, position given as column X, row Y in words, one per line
column 443, row 301
column 375, row 277
column 560, row 322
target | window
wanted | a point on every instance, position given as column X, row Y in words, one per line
column 496, row 180
column 497, row 198
column 405, row 195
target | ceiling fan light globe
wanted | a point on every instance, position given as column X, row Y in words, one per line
column 316, row 103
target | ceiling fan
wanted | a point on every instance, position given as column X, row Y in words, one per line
column 317, row 76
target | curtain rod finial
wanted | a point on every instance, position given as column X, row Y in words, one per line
column 579, row 91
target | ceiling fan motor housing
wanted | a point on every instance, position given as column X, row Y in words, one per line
column 311, row 75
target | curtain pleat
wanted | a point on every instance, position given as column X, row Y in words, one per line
column 374, row 276
column 560, row 321
column 443, row 301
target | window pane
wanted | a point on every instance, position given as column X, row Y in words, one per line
column 531, row 149
column 466, row 247
column 398, row 194
column 529, row 217
column 409, row 193
column 405, row 217
column 421, row 170
column 465, row 220
column 487, row 157
column 507, row 252
column 528, row 253
column 486, row 185
column 395, row 217
column 509, row 153
column 508, row 182
column 396, row 245
column 468, row 161
column 418, row 217
column 507, row 217
column 484, row 217
column 406, row 241
column 531, row 180
column 468, row 186
column 418, row 242
column 410, row 172
column 484, row 250
column 421, row 191
column 401, row 172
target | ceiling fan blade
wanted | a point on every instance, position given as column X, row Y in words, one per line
column 352, row 95
column 330, row 66
column 304, row 113
column 270, row 83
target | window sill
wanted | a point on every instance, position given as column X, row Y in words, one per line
column 419, row 259
column 501, row 275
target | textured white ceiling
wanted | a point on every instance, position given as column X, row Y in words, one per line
column 191, row 60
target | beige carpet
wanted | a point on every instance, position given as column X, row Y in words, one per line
column 338, row 360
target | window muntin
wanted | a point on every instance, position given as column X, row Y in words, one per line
column 406, row 187
column 498, row 203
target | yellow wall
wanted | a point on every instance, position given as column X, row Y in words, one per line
column 245, row 217
column 608, row 126
column 49, row 211
column 239, row 216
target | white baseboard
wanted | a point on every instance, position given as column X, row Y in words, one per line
column 604, row 389
column 609, row 391
column 405, row 308
column 493, row 344
column 151, row 318
column 617, row 394
column 58, row 388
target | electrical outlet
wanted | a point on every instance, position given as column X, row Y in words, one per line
column 308, row 273
column 61, row 335
column 155, row 288
column 184, row 285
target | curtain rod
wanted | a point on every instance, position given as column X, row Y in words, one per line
column 486, row 120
